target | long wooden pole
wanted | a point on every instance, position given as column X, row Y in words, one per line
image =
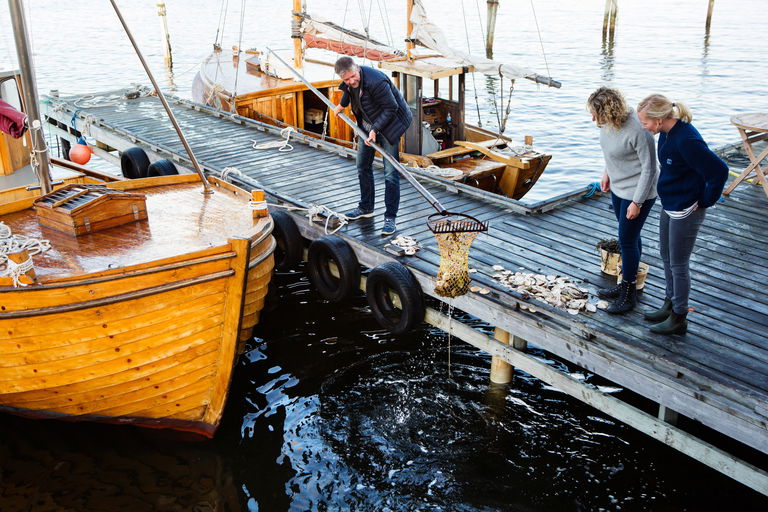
column 709, row 14
column 409, row 45
column 166, row 37
column 29, row 92
column 298, row 52
column 206, row 186
column 493, row 7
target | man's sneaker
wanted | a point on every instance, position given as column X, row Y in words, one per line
column 389, row 227
column 357, row 213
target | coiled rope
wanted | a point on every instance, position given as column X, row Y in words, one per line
column 281, row 145
column 10, row 243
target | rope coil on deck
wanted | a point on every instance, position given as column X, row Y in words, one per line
column 10, row 243
column 282, row 145
column 317, row 212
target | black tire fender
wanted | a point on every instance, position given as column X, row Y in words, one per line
column 134, row 163
column 323, row 251
column 162, row 167
column 396, row 277
column 290, row 245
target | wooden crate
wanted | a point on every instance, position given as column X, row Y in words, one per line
column 82, row 209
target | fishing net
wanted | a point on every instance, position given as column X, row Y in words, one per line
column 453, row 274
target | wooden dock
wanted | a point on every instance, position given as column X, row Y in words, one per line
column 716, row 374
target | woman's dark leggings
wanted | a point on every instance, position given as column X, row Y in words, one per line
column 630, row 243
column 676, row 239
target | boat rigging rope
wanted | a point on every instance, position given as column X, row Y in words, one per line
column 282, row 145
column 233, row 104
column 10, row 243
column 220, row 26
column 469, row 50
column 541, row 42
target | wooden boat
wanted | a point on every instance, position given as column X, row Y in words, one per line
column 439, row 139
column 137, row 312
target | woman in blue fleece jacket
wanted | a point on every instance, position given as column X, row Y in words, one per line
column 691, row 180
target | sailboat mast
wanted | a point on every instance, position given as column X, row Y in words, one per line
column 29, row 86
column 298, row 54
column 409, row 28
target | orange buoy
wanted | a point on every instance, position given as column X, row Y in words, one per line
column 80, row 154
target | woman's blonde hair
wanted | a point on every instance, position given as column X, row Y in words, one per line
column 658, row 106
column 608, row 106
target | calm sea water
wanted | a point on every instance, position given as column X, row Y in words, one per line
column 327, row 411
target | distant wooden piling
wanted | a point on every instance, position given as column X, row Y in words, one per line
column 166, row 36
column 493, row 7
column 709, row 14
column 609, row 19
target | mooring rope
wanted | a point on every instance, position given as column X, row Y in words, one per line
column 316, row 212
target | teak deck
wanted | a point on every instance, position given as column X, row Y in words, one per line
column 716, row 374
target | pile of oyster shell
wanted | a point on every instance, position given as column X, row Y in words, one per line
column 558, row 291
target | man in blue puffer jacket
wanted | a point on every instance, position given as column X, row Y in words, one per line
column 382, row 113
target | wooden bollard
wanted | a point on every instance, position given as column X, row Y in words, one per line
column 18, row 258
column 501, row 371
column 258, row 204
column 528, row 140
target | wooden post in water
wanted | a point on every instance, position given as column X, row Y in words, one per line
column 609, row 18
column 166, row 37
column 709, row 14
column 501, row 371
column 493, row 7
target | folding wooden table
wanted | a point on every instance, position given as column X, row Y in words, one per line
column 753, row 127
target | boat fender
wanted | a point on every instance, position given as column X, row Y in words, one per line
column 162, row 167
column 80, row 154
column 323, row 251
column 134, row 163
column 395, row 277
column 290, row 244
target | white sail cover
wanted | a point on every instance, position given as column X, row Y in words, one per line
column 433, row 38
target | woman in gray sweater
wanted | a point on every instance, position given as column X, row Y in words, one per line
column 630, row 175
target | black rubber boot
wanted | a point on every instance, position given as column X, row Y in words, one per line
column 609, row 293
column 661, row 314
column 674, row 324
column 626, row 300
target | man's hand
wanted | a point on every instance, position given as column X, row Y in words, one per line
column 337, row 109
column 371, row 138
column 605, row 183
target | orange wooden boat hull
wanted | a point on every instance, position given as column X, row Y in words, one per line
column 151, row 344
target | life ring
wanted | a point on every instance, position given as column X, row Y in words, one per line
column 162, row 167
column 323, row 251
column 134, row 163
column 395, row 277
column 290, row 245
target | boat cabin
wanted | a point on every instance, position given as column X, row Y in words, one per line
column 14, row 153
column 437, row 121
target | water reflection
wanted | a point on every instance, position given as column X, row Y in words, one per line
column 607, row 60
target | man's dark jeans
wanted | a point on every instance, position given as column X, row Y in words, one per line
column 365, row 156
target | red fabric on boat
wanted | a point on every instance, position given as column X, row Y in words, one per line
column 345, row 48
column 11, row 120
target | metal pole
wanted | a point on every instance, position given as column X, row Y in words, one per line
column 206, row 186
column 360, row 133
column 29, row 87
column 493, row 7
